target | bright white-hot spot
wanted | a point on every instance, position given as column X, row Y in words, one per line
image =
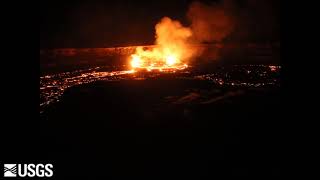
column 171, row 60
column 136, row 61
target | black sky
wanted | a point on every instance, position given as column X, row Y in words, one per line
column 131, row 22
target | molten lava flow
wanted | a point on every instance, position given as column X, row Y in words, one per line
column 171, row 51
column 156, row 60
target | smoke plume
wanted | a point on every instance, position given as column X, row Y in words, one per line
column 172, row 36
column 210, row 23
column 175, row 42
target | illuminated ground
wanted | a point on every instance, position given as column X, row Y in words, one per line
column 53, row 86
column 166, row 125
column 205, row 120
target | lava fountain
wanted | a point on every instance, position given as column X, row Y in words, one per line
column 171, row 51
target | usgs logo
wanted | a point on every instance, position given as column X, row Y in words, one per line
column 28, row 170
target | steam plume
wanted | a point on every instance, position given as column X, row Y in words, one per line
column 172, row 36
column 210, row 22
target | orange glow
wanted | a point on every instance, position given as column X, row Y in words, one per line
column 136, row 61
column 171, row 60
column 171, row 51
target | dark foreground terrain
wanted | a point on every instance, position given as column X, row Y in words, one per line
column 164, row 127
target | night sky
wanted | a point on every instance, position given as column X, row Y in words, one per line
column 127, row 22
